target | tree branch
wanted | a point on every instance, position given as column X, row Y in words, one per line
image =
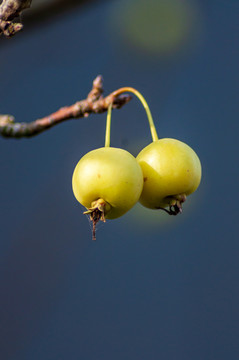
column 10, row 9
column 94, row 103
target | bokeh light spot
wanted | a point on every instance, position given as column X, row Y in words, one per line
column 156, row 27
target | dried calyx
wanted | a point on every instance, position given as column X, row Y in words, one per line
column 175, row 204
column 97, row 212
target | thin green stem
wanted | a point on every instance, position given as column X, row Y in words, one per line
column 145, row 105
column 108, row 125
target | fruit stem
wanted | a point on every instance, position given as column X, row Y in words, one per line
column 108, row 125
column 145, row 105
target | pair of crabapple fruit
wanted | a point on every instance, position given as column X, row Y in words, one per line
column 109, row 181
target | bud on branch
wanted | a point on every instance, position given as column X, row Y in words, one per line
column 10, row 9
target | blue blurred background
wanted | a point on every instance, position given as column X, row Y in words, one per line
column 152, row 286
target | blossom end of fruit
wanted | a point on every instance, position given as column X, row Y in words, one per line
column 175, row 205
column 97, row 213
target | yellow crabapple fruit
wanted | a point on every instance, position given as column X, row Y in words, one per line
column 107, row 181
column 171, row 171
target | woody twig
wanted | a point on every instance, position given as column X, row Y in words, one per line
column 9, row 10
column 94, row 103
